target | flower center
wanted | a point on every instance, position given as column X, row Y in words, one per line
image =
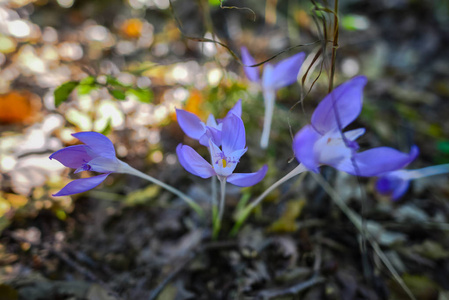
column 223, row 162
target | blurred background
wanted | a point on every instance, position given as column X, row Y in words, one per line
column 125, row 65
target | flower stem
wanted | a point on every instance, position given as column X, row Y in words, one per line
column 217, row 222
column 269, row 97
column 428, row 171
column 130, row 170
column 214, row 199
column 247, row 210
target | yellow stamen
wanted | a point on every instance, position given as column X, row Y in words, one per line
column 223, row 161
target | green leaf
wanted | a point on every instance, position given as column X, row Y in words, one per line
column 114, row 82
column 117, row 94
column 62, row 92
column 214, row 2
column 89, row 80
column 443, row 146
column 354, row 22
column 143, row 95
column 84, row 89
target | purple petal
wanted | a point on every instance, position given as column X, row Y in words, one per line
column 211, row 122
column 251, row 72
column 247, row 179
column 72, row 156
column 233, row 134
column 352, row 135
column 286, row 71
column 237, row 109
column 193, row 162
column 345, row 101
column 98, row 143
column 210, row 133
column 377, row 161
column 392, row 184
column 190, row 124
column 81, row 185
column 104, row 165
column 303, row 146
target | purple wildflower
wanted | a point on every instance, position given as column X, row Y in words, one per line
column 322, row 142
column 97, row 154
column 224, row 160
column 274, row 77
column 396, row 183
column 194, row 128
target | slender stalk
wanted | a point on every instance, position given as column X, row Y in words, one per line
column 428, row 171
column 214, row 199
column 334, row 47
column 217, row 222
column 269, row 97
column 247, row 210
column 130, row 170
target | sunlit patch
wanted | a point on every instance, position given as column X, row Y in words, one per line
column 214, row 76
column 209, row 49
column 162, row 4
column 30, row 62
column 19, row 28
column 82, row 120
column 65, row 3
column 125, row 47
column 7, row 44
column 157, row 156
column 7, row 163
column 50, row 35
column 70, row 51
column 350, row 67
column 96, row 33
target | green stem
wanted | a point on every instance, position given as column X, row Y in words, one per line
column 217, row 222
column 247, row 210
column 130, row 170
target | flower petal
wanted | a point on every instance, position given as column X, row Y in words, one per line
column 211, row 122
column 251, row 72
column 192, row 126
column 377, row 161
column 81, row 185
column 72, row 156
column 193, row 162
column 393, row 184
column 104, row 165
column 303, row 146
column 345, row 101
column 352, row 135
column 210, row 133
column 97, row 142
column 247, row 179
column 233, row 134
column 236, row 110
column 286, row 71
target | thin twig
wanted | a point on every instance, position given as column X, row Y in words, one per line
column 292, row 290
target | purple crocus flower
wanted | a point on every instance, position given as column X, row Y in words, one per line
column 322, row 142
column 97, row 154
column 274, row 77
column 396, row 183
column 224, row 160
column 194, row 128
